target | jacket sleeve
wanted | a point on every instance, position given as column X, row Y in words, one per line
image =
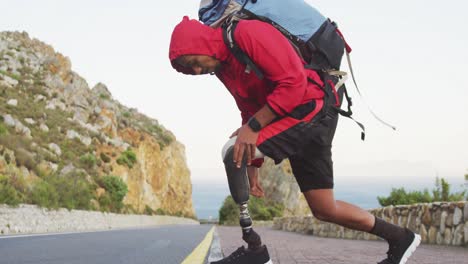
column 276, row 58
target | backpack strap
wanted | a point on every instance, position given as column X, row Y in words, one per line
column 334, row 92
column 239, row 54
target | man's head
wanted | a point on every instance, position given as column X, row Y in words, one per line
column 200, row 64
column 196, row 48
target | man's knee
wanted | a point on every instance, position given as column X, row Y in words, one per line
column 324, row 214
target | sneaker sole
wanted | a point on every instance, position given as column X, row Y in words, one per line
column 411, row 249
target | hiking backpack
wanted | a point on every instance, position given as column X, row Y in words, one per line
column 316, row 39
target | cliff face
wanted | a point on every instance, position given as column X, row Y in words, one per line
column 280, row 186
column 51, row 122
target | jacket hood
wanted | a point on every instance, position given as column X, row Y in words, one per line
column 190, row 37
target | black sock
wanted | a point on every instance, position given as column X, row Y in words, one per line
column 387, row 231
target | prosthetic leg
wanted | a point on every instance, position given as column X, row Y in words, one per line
column 239, row 187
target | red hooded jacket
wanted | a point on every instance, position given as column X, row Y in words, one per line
column 285, row 85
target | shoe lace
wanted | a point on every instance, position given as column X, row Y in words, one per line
column 391, row 259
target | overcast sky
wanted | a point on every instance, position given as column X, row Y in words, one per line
column 409, row 56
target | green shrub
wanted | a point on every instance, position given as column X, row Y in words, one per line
column 258, row 209
column 116, row 189
column 44, row 194
column 75, row 192
column 3, row 129
column 164, row 137
column 128, row 158
column 105, row 202
column 229, row 212
column 24, row 158
column 88, row 160
column 160, row 211
column 8, row 193
column 71, row 191
column 105, row 158
column 441, row 193
column 148, row 210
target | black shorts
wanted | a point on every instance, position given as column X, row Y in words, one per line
column 306, row 141
column 312, row 165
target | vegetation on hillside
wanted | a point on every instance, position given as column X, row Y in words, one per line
column 259, row 209
column 87, row 169
column 440, row 193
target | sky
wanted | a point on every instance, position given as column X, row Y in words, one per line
column 409, row 57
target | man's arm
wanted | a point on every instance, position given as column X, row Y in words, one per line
column 247, row 138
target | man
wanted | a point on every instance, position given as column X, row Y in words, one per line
column 283, row 116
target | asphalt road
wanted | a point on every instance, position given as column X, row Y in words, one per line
column 158, row 245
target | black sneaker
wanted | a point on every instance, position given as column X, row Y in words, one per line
column 399, row 251
column 246, row 256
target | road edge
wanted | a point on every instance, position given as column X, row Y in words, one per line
column 216, row 252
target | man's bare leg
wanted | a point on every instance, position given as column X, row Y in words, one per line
column 324, row 206
column 402, row 242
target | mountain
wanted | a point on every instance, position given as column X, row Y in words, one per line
column 53, row 125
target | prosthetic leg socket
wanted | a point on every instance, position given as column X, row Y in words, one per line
column 239, row 187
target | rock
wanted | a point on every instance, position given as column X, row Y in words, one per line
column 423, row 233
column 280, row 186
column 458, row 236
column 443, row 218
column 439, row 239
column 55, row 148
column 436, row 216
column 457, row 216
column 466, row 233
column 30, row 121
column 12, row 102
column 97, row 110
column 53, row 166
column 22, row 129
column 81, row 115
column 50, row 105
column 101, row 90
column 71, row 134
column 67, row 169
column 44, row 127
column 86, row 140
column 447, row 236
column 465, row 213
column 8, row 81
column 432, row 235
column 412, row 222
column 9, row 120
column 39, row 98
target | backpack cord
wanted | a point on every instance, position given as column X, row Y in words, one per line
column 362, row 97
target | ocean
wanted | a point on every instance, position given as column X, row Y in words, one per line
column 208, row 198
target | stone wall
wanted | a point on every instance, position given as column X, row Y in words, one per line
column 32, row 219
column 437, row 223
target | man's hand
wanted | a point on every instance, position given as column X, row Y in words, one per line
column 255, row 187
column 245, row 143
column 234, row 133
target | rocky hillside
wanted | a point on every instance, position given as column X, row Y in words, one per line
column 281, row 186
column 53, row 126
